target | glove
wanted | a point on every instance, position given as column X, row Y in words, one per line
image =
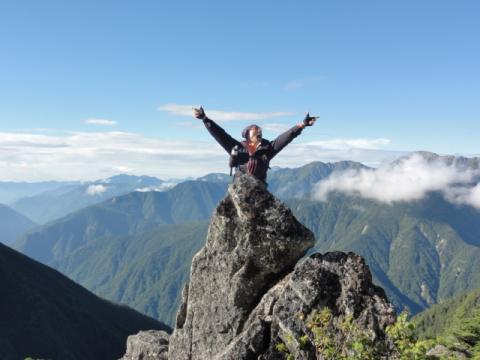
column 309, row 120
column 199, row 113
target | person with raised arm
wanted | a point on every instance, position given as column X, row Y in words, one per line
column 252, row 155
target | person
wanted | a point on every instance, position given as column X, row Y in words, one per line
column 253, row 155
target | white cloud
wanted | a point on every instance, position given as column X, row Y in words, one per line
column 93, row 190
column 160, row 188
column 41, row 129
column 276, row 128
column 13, row 140
column 123, row 169
column 410, row 178
column 360, row 143
column 474, row 196
column 94, row 121
column 97, row 155
column 219, row 115
column 464, row 195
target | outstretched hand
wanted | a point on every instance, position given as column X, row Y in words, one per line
column 199, row 113
column 309, row 120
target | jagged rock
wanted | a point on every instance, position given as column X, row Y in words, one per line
column 253, row 240
column 246, row 289
column 342, row 282
column 147, row 345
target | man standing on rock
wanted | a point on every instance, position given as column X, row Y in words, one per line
column 253, row 155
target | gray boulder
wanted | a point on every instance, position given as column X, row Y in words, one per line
column 246, row 290
column 147, row 345
column 253, row 241
column 337, row 281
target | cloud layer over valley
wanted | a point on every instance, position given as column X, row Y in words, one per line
column 410, row 178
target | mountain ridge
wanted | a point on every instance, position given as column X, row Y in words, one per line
column 13, row 224
column 121, row 215
column 45, row 314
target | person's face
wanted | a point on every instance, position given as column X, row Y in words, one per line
column 255, row 134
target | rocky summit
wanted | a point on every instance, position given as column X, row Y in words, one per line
column 252, row 242
column 251, row 288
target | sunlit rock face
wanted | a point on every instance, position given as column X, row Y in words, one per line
column 248, row 283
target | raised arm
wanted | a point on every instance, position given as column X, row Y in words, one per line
column 284, row 139
column 224, row 139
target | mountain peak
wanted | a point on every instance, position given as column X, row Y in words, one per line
column 253, row 241
column 427, row 154
column 460, row 162
column 129, row 179
column 247, row 285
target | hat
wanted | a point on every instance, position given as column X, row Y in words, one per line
column 247, row 129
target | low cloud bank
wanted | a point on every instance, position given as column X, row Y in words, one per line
column 93, row 190
column 407, row 179
column 159, row 188
column 97, row 155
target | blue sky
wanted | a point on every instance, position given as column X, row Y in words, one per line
column 397, row 75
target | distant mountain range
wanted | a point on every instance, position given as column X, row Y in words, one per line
column 421, row 252
column 145, row 270
column 46, row 201
column 46, row 315
column 128, row 214
column 461, row 162
column 11, row 191
column 60, row 201
column 105, row 247
column 12, row 224
column 299, row 182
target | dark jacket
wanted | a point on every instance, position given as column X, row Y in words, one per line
column 256, row 164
